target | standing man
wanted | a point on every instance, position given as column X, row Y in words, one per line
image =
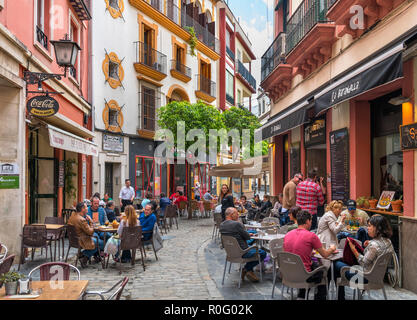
column 310, row 195
column 126, row 195
column 289, row 197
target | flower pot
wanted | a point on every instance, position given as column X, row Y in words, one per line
column 11, row 288
column 373, row 203
column 396, row 205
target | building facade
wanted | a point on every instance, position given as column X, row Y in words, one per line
column 153, row 63
column 341, row 86
column 50, row 156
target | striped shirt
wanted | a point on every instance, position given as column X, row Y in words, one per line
column 309, row 196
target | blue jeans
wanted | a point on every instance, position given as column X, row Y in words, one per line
column 361, row 235
column 250, row 265
column 90, row 253
column 338, row 265
column 284, row 218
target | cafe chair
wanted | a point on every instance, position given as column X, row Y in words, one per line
column 5, row 265
column 162, row 220
column 182, row 207
column 150, row 241
column 283, row 229
column 295, row 276
column 119, row 286
column 271, row 219
column 73, row 242
column 217, row 217
column 34, row 236
column 234, row 254
column 195, row 209
column 171, row 214
column 131, row 239
column 375, row 277
column 207, row 208
column 275, row 246
column 56, row 235
column 59, row 271
column 66, row 214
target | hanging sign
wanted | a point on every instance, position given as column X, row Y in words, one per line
column 42, row 106
column 408, row 137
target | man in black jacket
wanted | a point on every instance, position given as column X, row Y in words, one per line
column 232, row 227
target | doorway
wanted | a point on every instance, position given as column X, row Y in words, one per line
column 108, row 181
column 316, row 159
column 285, row 159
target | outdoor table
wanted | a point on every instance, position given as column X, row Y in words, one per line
column 332, row 258
column 72, row 290
column 54, row 228
column 106, row 229
column 259, row 226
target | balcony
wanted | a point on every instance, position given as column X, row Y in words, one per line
column 374, row 11
column 206, row 89
column 230, row 53
column 150, row 62
column 246, row 77
column 41, row 38
column 230, row 99
column 180, row 71
column 310, row 36
column 274, row 56
column 82, row 8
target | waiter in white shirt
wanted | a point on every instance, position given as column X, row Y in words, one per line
column 126, row 196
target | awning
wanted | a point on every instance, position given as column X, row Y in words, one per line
column 67, row 141
column 251, row 168
column 383, row 69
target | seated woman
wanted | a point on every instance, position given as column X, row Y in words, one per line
column 276, row 210
column 380, row 231
column 330, row 224
column 130, row 220
column 293, row 218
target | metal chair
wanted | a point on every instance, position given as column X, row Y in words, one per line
column 275, row 246
column 234, row 254
column 5, row 265
column 375, row 277
column 56, row 235
column 59, row 271
column 171, row 214
column 294, row 275
column 73, row 242
column 34, row 237
column 150, row 241
column 161, row 220
column 283, row 229
column 271, row 219
column 217, row 217
column 66, row 214
column 120, row 285
column 131, row 239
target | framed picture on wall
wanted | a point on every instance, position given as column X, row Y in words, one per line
column 385, row 199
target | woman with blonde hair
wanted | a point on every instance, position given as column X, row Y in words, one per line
column 330, row 224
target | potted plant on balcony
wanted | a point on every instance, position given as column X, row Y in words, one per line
column 397, row 205
column 372, row 203
column 10, row 279
column 192, row 41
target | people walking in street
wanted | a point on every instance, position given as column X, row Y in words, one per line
column 85, row 230
column 289, row 195
column 330, row 224
column 126, row 195
column 310, row 195
column 355, row 216
column 232, row 227
column 226, row 199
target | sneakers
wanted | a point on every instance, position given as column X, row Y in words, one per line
column 252, row 276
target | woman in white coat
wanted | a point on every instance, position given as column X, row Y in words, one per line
column 330, row 224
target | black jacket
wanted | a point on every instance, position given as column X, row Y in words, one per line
column 235, row 229
column 227, row 202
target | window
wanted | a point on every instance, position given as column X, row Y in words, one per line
column 147, row 176
column 114, row 4
column 113, row 114
column 41, row 21
column 227, row 38
column 148, row 109
column 74, row 36
column 239, row 96
column 229, row 87
column 263, row 106
column 113, row 70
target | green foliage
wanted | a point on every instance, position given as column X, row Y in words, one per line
column 193, row 40
column 10, row 276
column 70, row 189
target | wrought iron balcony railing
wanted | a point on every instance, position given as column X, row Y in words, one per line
column 176, row 65
column 307, row 15
column 150, row 57
column 41, row 37
column 230, row 53
column 73, row 72
column 230, row 99
column 206, row 85
column 274, row 56
column 246, row 74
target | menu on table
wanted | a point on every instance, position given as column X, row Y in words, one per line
column 339, row 160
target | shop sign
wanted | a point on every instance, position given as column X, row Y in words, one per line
column 408, row 137
column 9, row 168
column 42, row 106
column 61, row 174
column 71, row 143
column 113, row 143
column 315, row 133
column 9, row 182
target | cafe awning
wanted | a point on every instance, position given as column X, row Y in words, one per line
column 61, row 139
column 251, row 168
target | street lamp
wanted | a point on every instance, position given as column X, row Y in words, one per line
column 66, row 52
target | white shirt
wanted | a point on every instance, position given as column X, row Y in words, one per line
column 127, row 193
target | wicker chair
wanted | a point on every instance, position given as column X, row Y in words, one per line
column 207, row 208
column 50, row 270
column 194, row 209
column 217, row 217
column 66, row 214
column 6, row 264
column 34, row 237
column 120, row 285
column 56, row 235
column 171, row 214
column 182, row 207
column 162, row 220
column 131, row 239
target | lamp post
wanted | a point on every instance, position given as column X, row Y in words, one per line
column 66, row 52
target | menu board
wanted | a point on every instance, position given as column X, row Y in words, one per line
column 295, row 161
column 339, row 160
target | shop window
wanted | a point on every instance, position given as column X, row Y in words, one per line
column 146, row 175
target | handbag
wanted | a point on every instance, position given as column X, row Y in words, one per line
column 112, row 245
column 348, row 256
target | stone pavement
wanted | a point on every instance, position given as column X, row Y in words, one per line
column 189, row 267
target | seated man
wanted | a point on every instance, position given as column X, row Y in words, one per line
column 266, row 204
column 302, row 242
column 207, row 196
column 356, row 215
column 232, row 227
column 163, row 203
column 147, row 221
column 110, row 211
column 98, row 215
column 244, row 204
column 84, row 227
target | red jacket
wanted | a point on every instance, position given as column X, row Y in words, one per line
column 179, row 199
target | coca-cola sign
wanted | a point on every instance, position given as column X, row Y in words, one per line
column 42, row 106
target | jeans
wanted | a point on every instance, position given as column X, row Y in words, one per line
column 338, row 265
column 250, row 265
column 316, row 278
column 361, row 235
column 313, row 222
column 284, row 218
column 90, row 253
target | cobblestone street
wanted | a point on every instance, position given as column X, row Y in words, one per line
column 189, row 267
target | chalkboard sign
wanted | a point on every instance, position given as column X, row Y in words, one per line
column 408, row 136
column 295, row 160
column 339, row 160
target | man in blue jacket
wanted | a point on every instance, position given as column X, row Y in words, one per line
column 97, row 214
column 147, row 221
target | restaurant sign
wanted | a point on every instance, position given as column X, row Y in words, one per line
column 42, row 106
column 9, row 182
column 408, row 135
column 66, row 141
column 315, row 133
